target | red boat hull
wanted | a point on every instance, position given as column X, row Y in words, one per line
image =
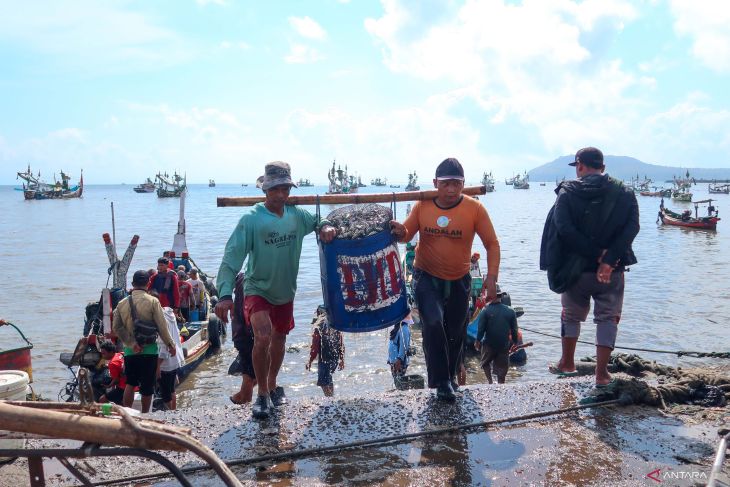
column 705, row 224
column 18, row 359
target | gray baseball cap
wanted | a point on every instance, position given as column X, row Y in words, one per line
column 275, row 174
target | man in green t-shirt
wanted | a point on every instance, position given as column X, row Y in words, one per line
column 270, row 236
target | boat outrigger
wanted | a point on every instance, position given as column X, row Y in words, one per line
column 36, row 189
column 170, row 188
column 412, row 182
column 718, row 188
column 304, row 183
column 521, row 182
column 685, row 219
column 201, row 334
column 340, row 182
column 488, row 181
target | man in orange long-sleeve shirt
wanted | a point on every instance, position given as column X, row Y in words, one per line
column 447, row 225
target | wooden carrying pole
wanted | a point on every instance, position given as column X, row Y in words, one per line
column 104, row 431
column 346, row 199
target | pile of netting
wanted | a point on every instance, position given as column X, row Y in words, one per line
column 675, row 386
column 634, row 365
column 358, row 221
column 700, row 390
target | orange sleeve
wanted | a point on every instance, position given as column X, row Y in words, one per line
column 411, row 222
column 485, row 230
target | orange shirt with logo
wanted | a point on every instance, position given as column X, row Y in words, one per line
column 446, row 236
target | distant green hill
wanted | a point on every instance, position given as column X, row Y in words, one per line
column 623, row 167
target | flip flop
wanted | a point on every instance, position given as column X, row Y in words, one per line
column 553, row 369
column 603, row 386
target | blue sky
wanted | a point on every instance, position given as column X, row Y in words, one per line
column 216, row 88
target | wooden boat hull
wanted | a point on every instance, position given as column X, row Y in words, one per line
column 671, row 218
column 162, row 193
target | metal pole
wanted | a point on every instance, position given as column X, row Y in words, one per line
column 114, row 234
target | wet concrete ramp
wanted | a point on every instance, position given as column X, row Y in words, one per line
column 608, row 446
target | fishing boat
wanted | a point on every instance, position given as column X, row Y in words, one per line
column 201, row 333
column 340, row 182
column 511, row 181
column 412, row 182
column 685, row 219
column 638, row 185
column 36, row 189
column 304, row 183
column 682, row 186
column 521, row 182
column 18, row 357
column 379, row 182
column 395, row 185
column 360, row 184
column 211, row 183
column 718, row 188
column 488, row 181
column 682, row 195
column 170, row 187
column 664, row 193
column 147, row 187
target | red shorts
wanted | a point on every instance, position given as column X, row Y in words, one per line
column 281, row 315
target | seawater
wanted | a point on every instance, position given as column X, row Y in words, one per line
column 54, row 262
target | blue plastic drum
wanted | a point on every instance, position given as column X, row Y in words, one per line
column 362, row 283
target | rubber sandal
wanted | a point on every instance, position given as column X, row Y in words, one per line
column 553, row 369
column 603, row 386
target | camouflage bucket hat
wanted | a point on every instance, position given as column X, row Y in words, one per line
column 275, row 174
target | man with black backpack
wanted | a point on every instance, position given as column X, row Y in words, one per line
column 586, row 247
column 137, row 321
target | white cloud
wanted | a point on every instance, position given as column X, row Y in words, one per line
column 534, row 64
column 706, row 23
column 303, row 54
column 205, row 3
column 306, row 27
column 90, row 36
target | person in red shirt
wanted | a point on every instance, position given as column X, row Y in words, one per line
column 164, row 281
column 186, row 294
column 115, row 362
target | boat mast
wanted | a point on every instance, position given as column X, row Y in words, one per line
column 178, row 243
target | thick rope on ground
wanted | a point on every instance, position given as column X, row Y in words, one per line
column 707, row 391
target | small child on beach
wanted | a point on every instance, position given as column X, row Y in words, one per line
column 329, row 347
column 399, row 349
column 497, row 322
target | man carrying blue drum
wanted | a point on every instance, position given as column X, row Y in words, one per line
column 270, row 236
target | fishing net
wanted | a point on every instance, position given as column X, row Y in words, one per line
column 359, row 221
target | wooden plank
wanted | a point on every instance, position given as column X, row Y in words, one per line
column 104, row 431
column 346, row 199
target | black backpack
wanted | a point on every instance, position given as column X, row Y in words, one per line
column 145, row 332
